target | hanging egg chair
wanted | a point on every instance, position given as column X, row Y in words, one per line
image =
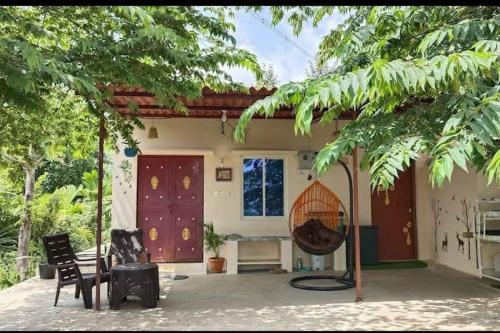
column 317, row 220
column 319, row 225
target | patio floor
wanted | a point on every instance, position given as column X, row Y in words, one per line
column 435, row 298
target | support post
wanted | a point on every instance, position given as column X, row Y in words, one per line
column 357, row 256
column 99, row 212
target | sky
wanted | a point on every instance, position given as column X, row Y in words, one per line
column 288, row 62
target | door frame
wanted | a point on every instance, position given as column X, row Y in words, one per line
column 175, row 153
column 413, row 212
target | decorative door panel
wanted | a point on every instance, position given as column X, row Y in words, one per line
column 152, row 204
column 152, row 189
column 392, row 212
column 170, row 207
column 188, row 208
column 188, row 181
column 153, row 224
column 188, row 235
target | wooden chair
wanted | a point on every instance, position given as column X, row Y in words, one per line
column 127, row 246
column 60, row 254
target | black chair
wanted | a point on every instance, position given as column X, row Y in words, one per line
column 127, row 246
column 60, row 254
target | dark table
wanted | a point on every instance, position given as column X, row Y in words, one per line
column 137, row 279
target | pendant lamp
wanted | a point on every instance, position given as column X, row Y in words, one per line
column 153, row 132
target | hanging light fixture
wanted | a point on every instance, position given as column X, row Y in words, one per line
column 153, row 132
column 224, row 119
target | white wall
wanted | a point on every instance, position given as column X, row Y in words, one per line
column 222, row 200
column 273, row 137
column 468, row 186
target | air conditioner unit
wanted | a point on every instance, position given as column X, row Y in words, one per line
column 306, row 159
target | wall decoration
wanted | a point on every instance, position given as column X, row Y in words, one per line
column 436, row 212
column 186, row 182
column 223, row 174
column 460, row 244
column 444, row 243
column 406, row 230
column 126, row 174
column 387, row 202
column 153, row 234
column 154, row 182
column 466, row 221
column 186, row 234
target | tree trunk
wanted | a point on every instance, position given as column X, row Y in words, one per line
column 25, row 228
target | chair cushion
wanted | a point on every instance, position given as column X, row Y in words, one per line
column 316, row 237
column 127, row 246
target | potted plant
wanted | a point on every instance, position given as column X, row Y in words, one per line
column 131, row 150
column 213, row 243
column 45, row 270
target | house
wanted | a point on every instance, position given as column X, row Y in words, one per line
column 171, row 189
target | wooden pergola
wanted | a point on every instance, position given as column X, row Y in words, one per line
column 210, row 105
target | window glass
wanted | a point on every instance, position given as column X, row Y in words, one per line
column 252, row 187
column 274, row 187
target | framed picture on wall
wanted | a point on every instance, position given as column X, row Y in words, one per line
column 223, row 174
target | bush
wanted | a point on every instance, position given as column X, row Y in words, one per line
column 8, row 272
column 69, row 208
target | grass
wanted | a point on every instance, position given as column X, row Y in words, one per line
column 396, row 265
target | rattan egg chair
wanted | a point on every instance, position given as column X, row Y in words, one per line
column 319, row 224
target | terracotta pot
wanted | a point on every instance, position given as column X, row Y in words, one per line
column 215, row 264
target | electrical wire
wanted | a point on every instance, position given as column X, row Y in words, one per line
column 282, row 35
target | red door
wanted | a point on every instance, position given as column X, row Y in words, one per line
column 392, row 212
column 170, row 207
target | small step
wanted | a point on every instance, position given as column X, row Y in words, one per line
column 183, row 268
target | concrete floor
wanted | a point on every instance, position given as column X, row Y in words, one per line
column 435, row 298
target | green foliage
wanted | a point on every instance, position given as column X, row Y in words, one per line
column 7, row 236
column 57, row 64
column 64, row 172
column 268, row 80
column 8, row 200
column 213, row 241
column 441, row 64
column 71, row 209
column 68, row 208
column 170, row 51
column 28, row 137
column 8, row 273
column 316, row 69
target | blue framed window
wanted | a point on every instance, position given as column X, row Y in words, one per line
column 263, row 187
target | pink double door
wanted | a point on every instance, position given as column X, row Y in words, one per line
column 170, row 207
